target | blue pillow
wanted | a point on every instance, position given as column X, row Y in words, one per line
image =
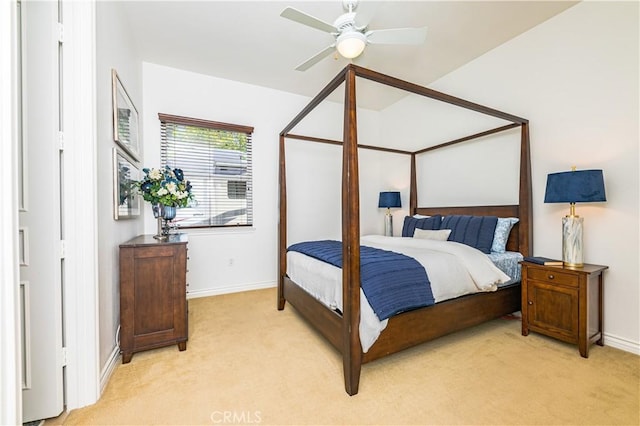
column 411, row 223
column 501, row 236
column 474, row 231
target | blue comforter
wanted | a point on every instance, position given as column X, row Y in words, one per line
column 392, row 282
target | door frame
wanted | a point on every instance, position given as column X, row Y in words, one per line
column 80, row 183
column 82, row 372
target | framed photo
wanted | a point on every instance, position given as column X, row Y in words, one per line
column 126, row 200
column 125, row 118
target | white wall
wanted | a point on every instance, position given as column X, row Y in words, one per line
column 114, row 50
column 227, row 260
column 575, row 77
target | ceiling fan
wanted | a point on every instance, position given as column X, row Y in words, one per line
column 351, row 34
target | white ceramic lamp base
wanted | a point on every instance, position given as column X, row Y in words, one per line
column 572, row 254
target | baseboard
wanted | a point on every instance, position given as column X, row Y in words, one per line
column 108, row 368
column 622, row 344
column 231, row 289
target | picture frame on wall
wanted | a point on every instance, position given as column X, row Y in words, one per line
column 125, row 118
column 126, row 200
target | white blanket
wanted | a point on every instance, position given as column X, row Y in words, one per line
column 454, row 270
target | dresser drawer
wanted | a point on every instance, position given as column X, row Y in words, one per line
column 551, row 276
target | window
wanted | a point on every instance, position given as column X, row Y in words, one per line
column 216, row 158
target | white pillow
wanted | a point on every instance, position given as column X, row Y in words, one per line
column 428, row 234
column 420, row 216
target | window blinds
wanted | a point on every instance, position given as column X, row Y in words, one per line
column 217, row 159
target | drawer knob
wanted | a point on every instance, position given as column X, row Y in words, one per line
column 551, row 276
column 530, row 302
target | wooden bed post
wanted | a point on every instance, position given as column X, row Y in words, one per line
column 526, row 213
column 351, row 347
column 282, row 227
column 413, row 191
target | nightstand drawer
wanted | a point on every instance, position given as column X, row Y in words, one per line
column 552, row 276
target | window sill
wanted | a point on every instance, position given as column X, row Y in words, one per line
column 218, row 231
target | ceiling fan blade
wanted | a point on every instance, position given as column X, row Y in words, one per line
column 305, row 19
column 316, row 58
column 365, row 12
column 398, row 36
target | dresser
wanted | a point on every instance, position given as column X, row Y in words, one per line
column 153, row 299
column 564, row 302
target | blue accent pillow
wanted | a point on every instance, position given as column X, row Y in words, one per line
column 500, row 237
column 411, row 223
column 474, row 231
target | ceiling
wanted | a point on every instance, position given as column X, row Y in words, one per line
column 248, row 41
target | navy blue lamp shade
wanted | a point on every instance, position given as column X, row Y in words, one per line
column 580, row 186
column 576, row 186
column 389, row 199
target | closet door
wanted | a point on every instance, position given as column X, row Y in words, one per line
column 41, row 234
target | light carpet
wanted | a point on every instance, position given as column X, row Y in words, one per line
column 248, row 363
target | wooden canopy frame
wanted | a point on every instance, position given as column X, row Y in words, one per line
column 342, row 329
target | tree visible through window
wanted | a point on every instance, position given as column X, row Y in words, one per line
column 216, row 158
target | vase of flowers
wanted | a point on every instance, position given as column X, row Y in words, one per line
column 166, row 190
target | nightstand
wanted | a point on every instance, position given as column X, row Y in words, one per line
column 564, row 302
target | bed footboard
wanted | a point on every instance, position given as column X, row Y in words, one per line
column 426, row 324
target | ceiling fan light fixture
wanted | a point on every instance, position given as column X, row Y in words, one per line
column 351, row 44
column 352, row 36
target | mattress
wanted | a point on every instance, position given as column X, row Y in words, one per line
column 453, row 268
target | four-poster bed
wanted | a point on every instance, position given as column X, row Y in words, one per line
column 419, row 325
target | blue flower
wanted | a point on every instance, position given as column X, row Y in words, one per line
column 179, row 174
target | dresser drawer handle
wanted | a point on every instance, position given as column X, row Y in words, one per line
column 551, row 276
column 530, row 302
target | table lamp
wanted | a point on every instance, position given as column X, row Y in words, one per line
column 576, row 186
column 388, row 200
